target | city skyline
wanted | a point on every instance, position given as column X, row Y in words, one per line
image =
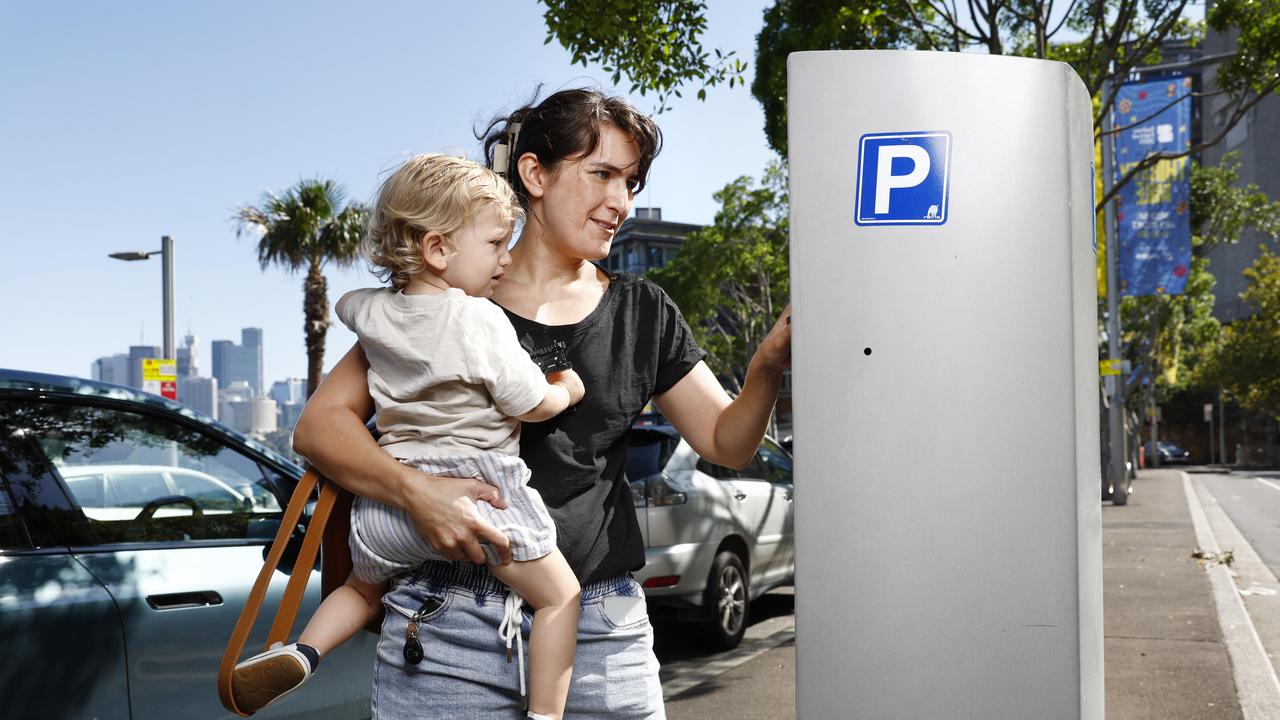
column 170, row 148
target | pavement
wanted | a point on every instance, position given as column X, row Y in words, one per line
column 1166, row 656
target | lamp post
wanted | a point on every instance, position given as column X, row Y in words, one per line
column 166, row 253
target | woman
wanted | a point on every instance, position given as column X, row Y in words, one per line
column 575, row 161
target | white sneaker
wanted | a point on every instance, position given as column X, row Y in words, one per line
column 269, row 676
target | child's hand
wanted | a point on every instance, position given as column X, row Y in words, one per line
column 569, row 380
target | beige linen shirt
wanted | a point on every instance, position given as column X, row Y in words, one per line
column 446, row 372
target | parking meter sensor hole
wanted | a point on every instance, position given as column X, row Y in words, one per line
column 866, row 351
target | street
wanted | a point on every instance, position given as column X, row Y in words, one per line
column 1184, row 637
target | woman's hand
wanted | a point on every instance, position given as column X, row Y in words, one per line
column 443, row 509
column 332, row 436
column 774, row 352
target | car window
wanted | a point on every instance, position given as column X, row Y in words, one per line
column 753, row 471
column 718, row 472
column 777, row 462
column 11, row 533
column 139, row 477
column 647, row 453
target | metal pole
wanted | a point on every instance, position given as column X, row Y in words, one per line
column 1154, row 459
column 166, row 256
column 1115, row 383
column 1222, row 430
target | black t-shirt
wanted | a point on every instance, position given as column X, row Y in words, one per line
column 634, row 345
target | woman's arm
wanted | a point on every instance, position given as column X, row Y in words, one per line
column 724, row 431
column 332, row 436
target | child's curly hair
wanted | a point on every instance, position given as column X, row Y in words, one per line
column 429, row 192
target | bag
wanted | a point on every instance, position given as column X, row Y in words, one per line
column 329, row 527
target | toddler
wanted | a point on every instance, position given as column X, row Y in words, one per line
column 451, row 385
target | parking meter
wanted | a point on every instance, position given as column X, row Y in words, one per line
column 945, row 380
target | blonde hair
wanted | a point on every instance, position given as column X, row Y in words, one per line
column 429, row 193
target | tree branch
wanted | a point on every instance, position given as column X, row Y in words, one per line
column 1150, row 160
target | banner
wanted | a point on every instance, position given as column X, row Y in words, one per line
column 1153, row 223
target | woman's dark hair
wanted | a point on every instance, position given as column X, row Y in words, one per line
column 566, row 125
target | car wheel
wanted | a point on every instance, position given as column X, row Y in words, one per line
column 728, row 599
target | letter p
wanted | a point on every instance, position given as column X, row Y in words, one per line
column 886, row 181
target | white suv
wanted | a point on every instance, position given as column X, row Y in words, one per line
column 715, row 538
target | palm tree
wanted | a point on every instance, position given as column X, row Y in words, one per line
column 310, row 225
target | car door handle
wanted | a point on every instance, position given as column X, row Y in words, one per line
column 739, row 495
column 788, row 495
column 178, row 601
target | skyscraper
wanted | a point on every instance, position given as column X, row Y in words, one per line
column 138, row 353
column 200, row 394
column 188, row 357
column 233, row 362
column 112, row 369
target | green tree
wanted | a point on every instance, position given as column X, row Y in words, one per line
column 656, row 44
column 307, row 227
column 1186, row 335
column 730, row 278
column 1246, row 363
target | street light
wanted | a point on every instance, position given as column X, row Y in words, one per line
column 166, row 253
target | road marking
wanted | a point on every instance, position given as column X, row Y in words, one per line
column 1256, row 682
column 1264, row 481
column 688, row 674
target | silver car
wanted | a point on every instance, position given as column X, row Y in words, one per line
column 715, row 538
column 131, row 530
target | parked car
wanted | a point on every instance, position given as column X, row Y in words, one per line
column 715, row 538
column 1170, row 454
column 131, row 530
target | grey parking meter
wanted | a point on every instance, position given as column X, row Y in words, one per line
column 945, row 361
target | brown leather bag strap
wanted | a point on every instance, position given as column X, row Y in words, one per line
column 302, row 567
column 297, row 586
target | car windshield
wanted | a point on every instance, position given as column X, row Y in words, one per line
column 647, row 453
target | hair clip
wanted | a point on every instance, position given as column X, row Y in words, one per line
column 503, row 151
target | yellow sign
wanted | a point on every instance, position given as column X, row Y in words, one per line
column 159, row 370
column 1108, row 367
column 160, row 377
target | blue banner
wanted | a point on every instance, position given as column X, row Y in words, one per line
column 1153, row 220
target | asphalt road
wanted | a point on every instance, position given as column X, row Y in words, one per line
column 1252, row 501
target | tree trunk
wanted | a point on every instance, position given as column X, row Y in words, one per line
column 315, row 310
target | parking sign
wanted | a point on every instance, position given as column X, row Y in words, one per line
column 902, row 178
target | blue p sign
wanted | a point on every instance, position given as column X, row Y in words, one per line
column 902, row 178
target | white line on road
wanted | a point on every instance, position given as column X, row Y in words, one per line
column 1256, row 681
column 691, row 673
column 1264, row 481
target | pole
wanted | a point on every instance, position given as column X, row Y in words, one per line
column 1115, row 383
column 1222, row 430
column 166, row 256
column 1154, row 459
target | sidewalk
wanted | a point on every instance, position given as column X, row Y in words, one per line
column 1165, row 656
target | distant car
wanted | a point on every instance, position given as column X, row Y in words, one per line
column 1170, row 454
column 715, row 538
column 131, row 530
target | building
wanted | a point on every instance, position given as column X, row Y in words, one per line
column 232, row 363
column 199, row 394
column 138, row 353
column 188, row 357
column 113, row 369
column 1256, row 140
column 289, row 390
column 646, row 241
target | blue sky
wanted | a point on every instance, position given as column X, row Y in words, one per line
column 122, row 122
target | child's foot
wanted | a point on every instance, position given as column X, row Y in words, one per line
column 269, row 676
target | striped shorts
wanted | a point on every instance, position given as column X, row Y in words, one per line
column 385, row 542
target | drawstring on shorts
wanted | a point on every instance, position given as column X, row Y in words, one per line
column 509, row 629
